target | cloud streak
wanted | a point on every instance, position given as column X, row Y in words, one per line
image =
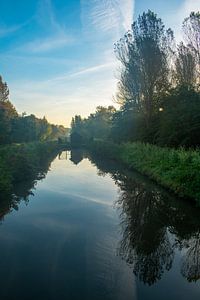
column 93, row 69
column 85, row 71
column 45, row 16
column 5, row 30
column 48, row 44
column 56, row 37
column 107, row 15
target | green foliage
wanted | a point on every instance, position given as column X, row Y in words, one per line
column 125, row 126
column 29, row 128
column 7, row 113
column 177, row 170
column 179, row 122
column 96, row 126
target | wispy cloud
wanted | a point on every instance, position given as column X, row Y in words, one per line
column 48, row 44
column 45, row 16
column 56, row 36
column 103, row 23
column 93, row 69
column 4, row 31
column 85, row 71
column 7, row 30
column 41, row 60
column 107, row 15
column 74, row 93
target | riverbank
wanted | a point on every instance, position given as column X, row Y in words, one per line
column 21, row 162
column 176, row 170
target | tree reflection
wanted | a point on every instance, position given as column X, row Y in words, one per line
column 155, row 226
column 145, row 243
column 24, row 189
column 76, row 156
column 190, row 268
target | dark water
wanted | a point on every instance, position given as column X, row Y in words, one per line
column 91, row 230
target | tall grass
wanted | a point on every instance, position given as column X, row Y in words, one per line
column 176, row 169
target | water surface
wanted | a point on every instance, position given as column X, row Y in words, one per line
column 92, row 230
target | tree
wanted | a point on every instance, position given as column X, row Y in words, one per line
column 96, row 126
column 7, row 113
column 15, row 128
column 4, row 91
column 191, row 30
column 144, row 52
column 125, row 126
column 185, row 66
column 180, row 119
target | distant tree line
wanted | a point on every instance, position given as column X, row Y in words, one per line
column 15, row 128
column 158, row 88
column 98, row 125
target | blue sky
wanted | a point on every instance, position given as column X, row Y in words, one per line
column 57, row 55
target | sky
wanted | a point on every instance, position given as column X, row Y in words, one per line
column 57, row 55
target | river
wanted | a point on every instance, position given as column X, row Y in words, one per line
column 91, row 230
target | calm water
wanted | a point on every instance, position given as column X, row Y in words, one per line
column 91, row 230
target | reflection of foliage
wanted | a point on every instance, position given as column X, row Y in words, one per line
column 30, row 163
column 145, row 243
column 150, row 265
column 191, row 262
column 76, row 156
column 154, row 226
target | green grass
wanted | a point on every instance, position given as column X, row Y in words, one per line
column 177, row 170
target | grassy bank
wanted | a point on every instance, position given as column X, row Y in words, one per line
column 21, row 162
column 176, row 170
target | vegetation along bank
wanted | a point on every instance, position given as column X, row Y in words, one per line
column 174, row 169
